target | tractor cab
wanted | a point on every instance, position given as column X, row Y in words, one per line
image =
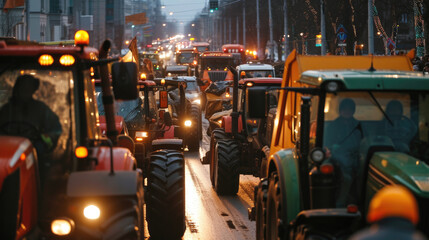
column 56, row 164
column 358, row 131
column 185, row 115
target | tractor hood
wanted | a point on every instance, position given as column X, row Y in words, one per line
column 403, row 169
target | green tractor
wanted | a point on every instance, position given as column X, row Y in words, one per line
column 339, row 137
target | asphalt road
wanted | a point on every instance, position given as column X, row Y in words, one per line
column 209, row 216
column 213, row 217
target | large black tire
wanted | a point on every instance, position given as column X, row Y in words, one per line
column 276, row 228
column 127, row 223
column 225, row 165
column 261, row 196
column 166, row 195
column 194, row 135
column 218, row 133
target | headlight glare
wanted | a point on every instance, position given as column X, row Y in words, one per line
column 62, row 227
column 91, row 212
column 188, row 123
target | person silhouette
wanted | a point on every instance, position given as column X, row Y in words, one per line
column 400, row 129
column 393, row 214
column 25, row 116
column 342, row 139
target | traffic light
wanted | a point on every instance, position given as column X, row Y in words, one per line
column 318, row 40
column 214, row 5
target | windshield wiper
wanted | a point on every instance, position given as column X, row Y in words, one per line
column 379, row 107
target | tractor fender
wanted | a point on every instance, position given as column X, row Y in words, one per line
column 19, row 184
column 102, row 183
column 227, row 124
column 169, row 133
column 174, row 144
column 123, row 159
column 285, row 163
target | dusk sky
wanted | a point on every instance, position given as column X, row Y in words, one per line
column 183, row 10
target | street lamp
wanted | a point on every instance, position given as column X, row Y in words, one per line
column 164, row 24
column 171, row 13
column 193, row 25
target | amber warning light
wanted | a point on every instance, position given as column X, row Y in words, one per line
column 81, row 38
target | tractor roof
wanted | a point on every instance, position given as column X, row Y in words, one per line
column 255, row 66
column 216, row 55
column 369, row 80
column 23, row 48
column 261, row 81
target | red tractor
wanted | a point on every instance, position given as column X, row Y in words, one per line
column 240, row 144
column 59, row 177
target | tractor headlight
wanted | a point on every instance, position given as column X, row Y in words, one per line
column 197, row 101
column 317, row 155
column 91, row 212
column 188, row 123
column 62, row 226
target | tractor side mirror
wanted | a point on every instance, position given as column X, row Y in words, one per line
column 256, row 102
column 163, row 99
column 124, row 80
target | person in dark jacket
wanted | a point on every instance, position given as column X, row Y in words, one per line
column 398, row 127
column 393, row 213
column 342, row 138
column 25, row 116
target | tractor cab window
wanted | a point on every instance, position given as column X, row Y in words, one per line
column 258, row 73
column 131, row 110
column 37, row 104
column 217, row 63
column 186, row 57
column 357, row 123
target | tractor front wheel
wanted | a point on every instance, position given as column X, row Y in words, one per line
column 225, row 167
column 166, row 195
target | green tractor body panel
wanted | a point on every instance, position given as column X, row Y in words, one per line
column 286, row 163
column 377, row 80
column 403, row 169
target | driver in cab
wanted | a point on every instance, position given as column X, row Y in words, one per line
column 25, row 116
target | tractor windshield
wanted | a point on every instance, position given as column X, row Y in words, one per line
column 35, row 104
column 258, row 73
column 186, row 57
column 131, row 110
column 356, row 122
column 217, row 63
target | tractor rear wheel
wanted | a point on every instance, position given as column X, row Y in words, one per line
column 276, row 228
column 194, row 136
column 166, row 195
column 260, row 205
column 218, row 133
column 225, row 165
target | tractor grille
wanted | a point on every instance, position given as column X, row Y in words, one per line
column 217, row 75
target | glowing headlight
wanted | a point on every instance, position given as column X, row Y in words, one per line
column 188, row 123
column 62, row 227
column 91, row 212
column 141, row 135
column 197, row 101
column 220, row 121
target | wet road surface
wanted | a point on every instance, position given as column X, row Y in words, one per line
column 209, row 216
column 213, row 217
